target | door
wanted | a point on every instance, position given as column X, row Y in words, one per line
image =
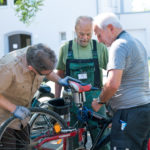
column 17, row 41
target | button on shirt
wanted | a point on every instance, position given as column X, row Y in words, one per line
column 17, row 83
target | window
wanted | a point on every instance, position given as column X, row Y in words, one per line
column 3, row 2
column 63, row 36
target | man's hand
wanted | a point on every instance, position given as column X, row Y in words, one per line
column 65, row 81
column 95, row 105
column 21, row 112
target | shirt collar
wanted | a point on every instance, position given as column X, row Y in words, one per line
column 120, row 34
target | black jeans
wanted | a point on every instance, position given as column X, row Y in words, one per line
column 12, row 139
column 134, row 135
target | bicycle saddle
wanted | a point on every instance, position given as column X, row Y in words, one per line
column 81, row 87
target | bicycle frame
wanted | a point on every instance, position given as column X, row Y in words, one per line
column 70, row 133
column 79, row 98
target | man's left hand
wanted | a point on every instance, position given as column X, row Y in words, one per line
column 65, row 81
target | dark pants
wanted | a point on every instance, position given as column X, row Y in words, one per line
column 15, row 139
column 134, row 135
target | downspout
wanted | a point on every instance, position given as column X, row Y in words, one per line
column 121, row 6
column 97, row 7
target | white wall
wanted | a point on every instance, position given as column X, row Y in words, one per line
column 127, row 5
column 56, row 16
column 138, row 25
column 59, row 16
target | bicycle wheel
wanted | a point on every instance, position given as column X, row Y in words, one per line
column 45, row 127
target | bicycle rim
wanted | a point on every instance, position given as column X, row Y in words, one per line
column 42, row 127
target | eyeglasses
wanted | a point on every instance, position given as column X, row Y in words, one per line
column 43, row 74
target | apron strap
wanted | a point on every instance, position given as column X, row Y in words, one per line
column 95, row 59
column 94, row 51
column 70, row 51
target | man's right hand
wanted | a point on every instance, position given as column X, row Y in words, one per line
column 21, row 112
column 95, row 105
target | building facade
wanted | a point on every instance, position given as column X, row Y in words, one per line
column 54, row 23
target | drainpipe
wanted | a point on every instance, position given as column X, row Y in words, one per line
column 121, row 6
column 97, row 7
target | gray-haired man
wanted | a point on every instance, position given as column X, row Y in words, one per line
column 127, row 88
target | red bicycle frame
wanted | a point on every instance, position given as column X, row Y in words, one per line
column 59, row 136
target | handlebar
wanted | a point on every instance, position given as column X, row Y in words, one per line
column 81, row 87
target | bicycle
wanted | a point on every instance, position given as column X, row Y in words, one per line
column 48, row 129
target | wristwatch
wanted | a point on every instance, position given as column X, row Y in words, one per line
column 99, row 101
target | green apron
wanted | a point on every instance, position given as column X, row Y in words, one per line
column 86, row 70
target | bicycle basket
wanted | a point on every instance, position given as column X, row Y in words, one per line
column 59, row 106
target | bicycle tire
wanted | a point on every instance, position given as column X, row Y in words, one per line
column 37, row 115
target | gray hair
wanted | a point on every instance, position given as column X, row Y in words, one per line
column 83, row 18
column 104, row 19
column 41, row 57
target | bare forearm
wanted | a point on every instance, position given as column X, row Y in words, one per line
column 110, row 88
column 107, row 93
column 57, row 90
column 6, row 104
column 53, row 77
column 58, row 87
column 112, row 85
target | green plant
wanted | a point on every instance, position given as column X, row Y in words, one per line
column 26, row 9
column 1, row 1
